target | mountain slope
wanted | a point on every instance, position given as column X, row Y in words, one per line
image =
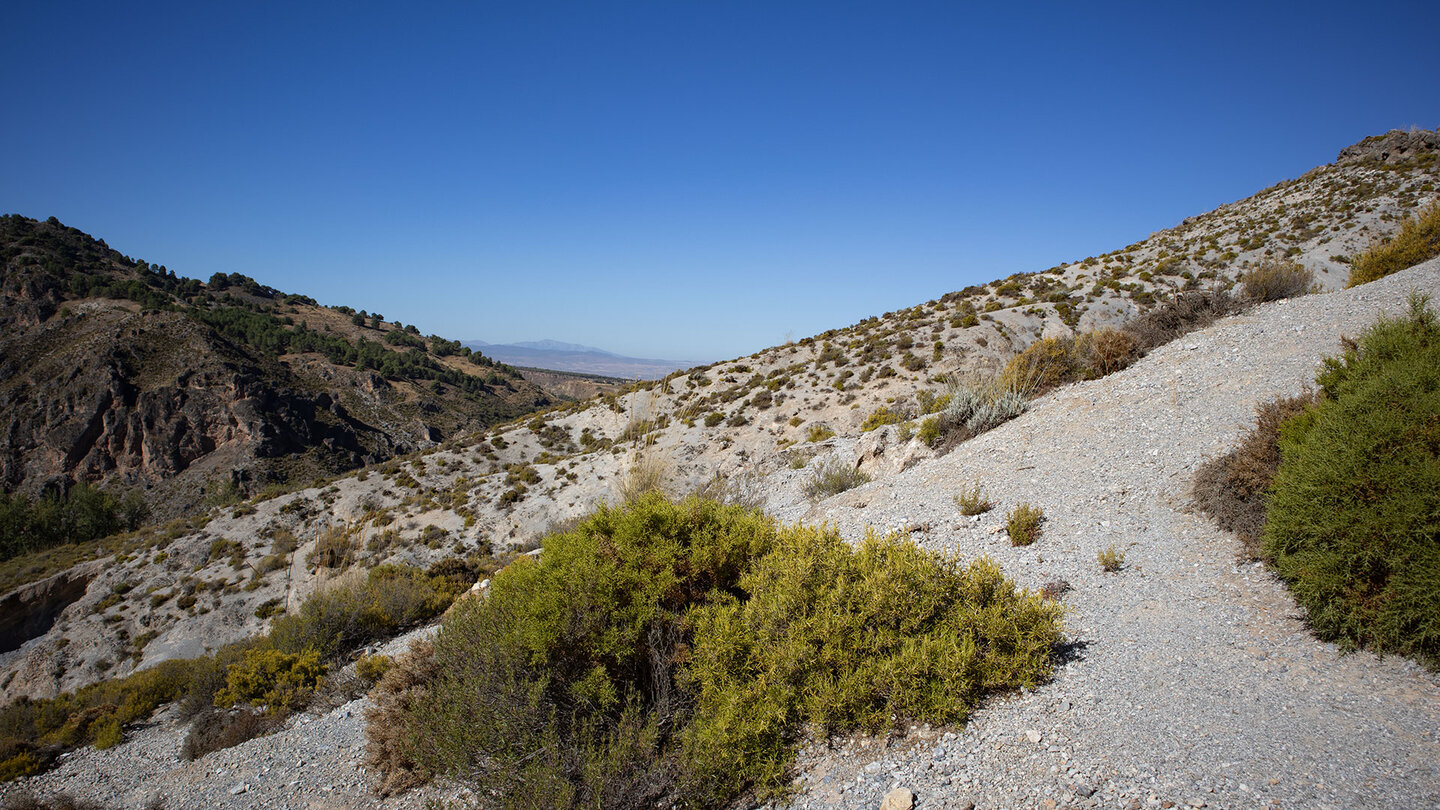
column 119, row 373
column 1108, row 460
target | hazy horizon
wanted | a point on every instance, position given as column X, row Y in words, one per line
column 663, row 181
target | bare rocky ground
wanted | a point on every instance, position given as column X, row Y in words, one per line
column 1190, row 677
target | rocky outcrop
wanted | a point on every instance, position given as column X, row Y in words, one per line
column 111, row 395
column 1395, row 146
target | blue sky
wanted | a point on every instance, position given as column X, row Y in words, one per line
column 681, row 180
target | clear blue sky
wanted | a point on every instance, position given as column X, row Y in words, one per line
column 674, row 179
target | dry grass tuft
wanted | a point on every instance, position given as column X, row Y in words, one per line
column 1231, row 490
column 648, row 472
column 400, row 691
column 1272, row 280
column 972, row 501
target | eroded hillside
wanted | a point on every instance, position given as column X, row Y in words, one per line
column 754, row 429
column 121, row 374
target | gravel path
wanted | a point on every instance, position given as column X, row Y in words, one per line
column 1191, row 681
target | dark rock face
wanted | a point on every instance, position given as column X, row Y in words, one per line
column 29, row 612
column 1395, row 146
column 113, row 394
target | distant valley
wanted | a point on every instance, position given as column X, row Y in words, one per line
column 558, row 356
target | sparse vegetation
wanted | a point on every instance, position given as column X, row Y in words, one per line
column 1180, row 315
column 275, row 671
column 1110, row 559
column 832, row 477
column 972, row 501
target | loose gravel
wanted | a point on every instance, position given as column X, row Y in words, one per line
column 1189, row 679
column 1192, row 679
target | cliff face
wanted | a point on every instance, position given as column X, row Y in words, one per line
column 110, row 374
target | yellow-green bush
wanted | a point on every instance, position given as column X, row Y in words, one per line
column 972, row 501
column 879, row 417
column 274, row 679
column 676, row 650
column 1418, row 240
column 1045, row 364
column 819, row 433
column 360, row 608
column 1022, row 524
column 849, row 639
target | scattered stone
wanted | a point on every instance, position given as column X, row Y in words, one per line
column 898, row 799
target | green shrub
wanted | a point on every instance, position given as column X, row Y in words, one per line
column 1418, row 240
column 832, row 477
column 616, row 670
column 1352, row 524
column 1022, row 525
column 930, row 433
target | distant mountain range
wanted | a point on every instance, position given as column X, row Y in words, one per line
column 560, row 356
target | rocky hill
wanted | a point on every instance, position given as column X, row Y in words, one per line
column 1109, row 459
column 121, row 374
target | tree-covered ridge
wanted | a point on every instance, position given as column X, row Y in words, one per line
column 68, row 265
